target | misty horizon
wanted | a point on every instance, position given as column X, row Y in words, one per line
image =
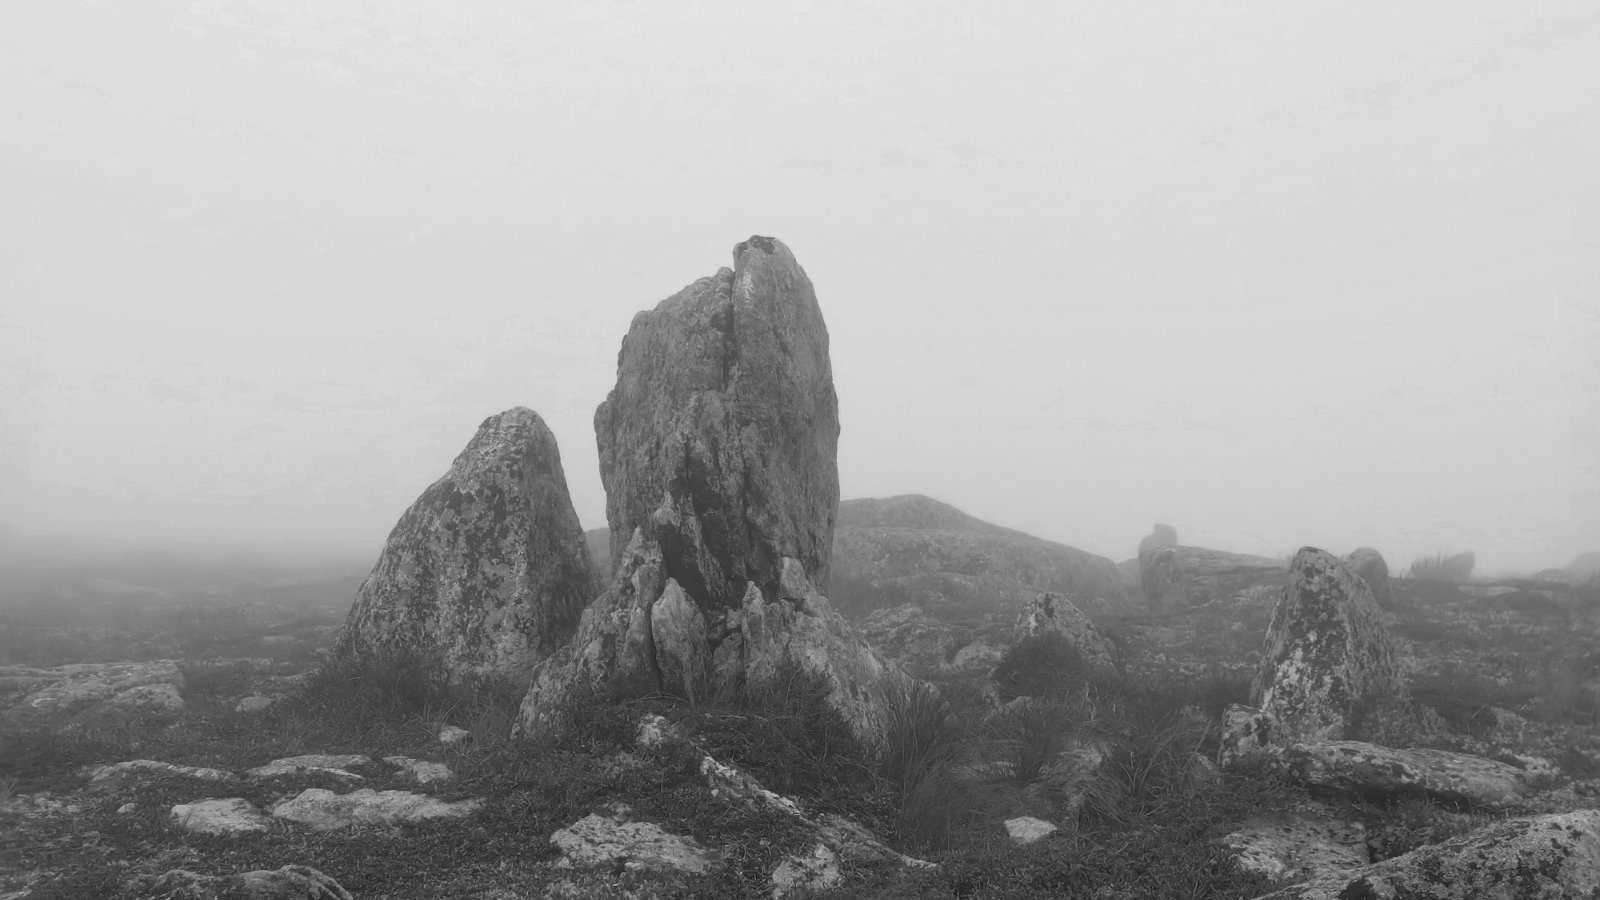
column 1274, row 277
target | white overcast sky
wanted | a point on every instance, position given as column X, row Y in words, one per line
column 1302, row 272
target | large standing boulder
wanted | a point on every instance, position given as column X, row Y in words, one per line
column 717, row 451
column 487, row 572
column 1327, row 654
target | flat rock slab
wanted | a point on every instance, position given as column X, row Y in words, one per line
column 234, row 815
column 90, row 691
column 322, row 810
column 151, row 768
column 1535, row 858
column 815, row 871
column 1294, row 847
column 1356, row 767
column 324, row 763
column 597, row 840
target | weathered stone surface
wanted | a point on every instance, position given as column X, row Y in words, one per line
column 336, row 764
column 1327, row 651
column 816, row 871
column 322, row 810
column 915, row 550
column 1368, row 565
column 1246, row 733
column 717, row 451
column 721, row 435
column 1299, row 846
column 253, row 704
column 450, row 735
column 1553, row 857
column 84, row 693
column 151, row 768
column 1369, row 770
column 234, row 815
column 1174, row 577
column 1055, row 613
column 597, row 840
column 421, row 772
column 286, row 883
column 911, row 638
column 1024, row 830
column 487, row 572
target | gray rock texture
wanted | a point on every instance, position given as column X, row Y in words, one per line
column 1368, row 565
column 1368, row 770
column 91, row 693
column 1173, row 577
column 488, row 571
column 1327, row 652
column 1296, row 846
column 912, row 549
column 720, row 437
column 717, row 451
column 1551, row 857
column 1054, row 613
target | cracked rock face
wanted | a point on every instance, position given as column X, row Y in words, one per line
column 717, row 450
column 488, row 571
column 720, row 437
column 1327, row 651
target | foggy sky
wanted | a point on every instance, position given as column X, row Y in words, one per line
column 1278, row 274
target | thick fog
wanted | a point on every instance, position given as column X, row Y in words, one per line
column 1277, row 274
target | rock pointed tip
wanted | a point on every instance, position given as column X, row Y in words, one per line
column 765, row 244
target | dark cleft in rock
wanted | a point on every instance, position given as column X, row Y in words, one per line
column 487, row 572
column 720, row 437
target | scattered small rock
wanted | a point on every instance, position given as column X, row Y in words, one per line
column 816, row 871
column 322, row 763
column 451, row 734
column 1024, row 830
column 421, row 772
column 253, row 704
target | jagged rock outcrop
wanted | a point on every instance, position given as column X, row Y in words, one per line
column 1368, row 565
column 1174, row 576
column 718, row 453
column 1327, row 652
column 916, row 550
column 487, row 572
column 1551, row 856
column 1053, row 613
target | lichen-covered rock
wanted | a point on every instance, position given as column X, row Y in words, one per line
column 914, row 550
column 605, row 840
column 286, row 883
column 1552, row 857
column 1298, row 846
column 234, row 815
column 721, row 435
column 717, row 450
column 336, row 764
column 1052, row 613
column 421, row 772
column 113, row 773
column 322, row 810
column 87, row 693
column 1368, row 770
column 1174, row 577
column 1327, row 651
column 815, row 871
column 1247, row 732
column 488, row 571
column 1368, row 565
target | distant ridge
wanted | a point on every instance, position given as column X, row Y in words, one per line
column 912, row 511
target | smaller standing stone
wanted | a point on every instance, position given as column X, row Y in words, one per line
column 1368, row 565
column 1052, row 612
column 1328, row 653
